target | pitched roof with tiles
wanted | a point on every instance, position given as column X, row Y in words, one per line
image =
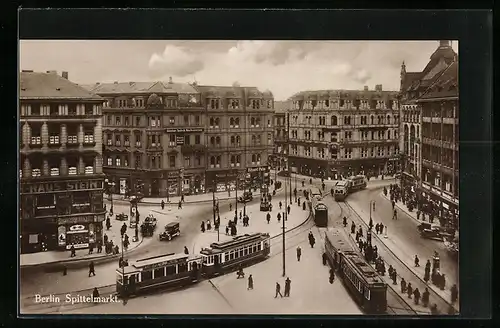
column 35, row 85
column 232, row 91
column 345, row 94
column 409, row 79
column 141, row 87
column 445, row 85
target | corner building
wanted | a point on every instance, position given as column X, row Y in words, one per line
column 61, row 177
column 336, row 133
column 280, row 134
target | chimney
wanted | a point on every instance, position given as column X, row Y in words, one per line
column 51, row 72
column 170, row 80
column 366, row 88
column 65, row 75
column 378, row 87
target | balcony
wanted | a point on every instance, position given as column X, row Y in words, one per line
column 154, row 147
column 432, row 119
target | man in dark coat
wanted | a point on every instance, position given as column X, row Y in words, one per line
column 299, row 253
column 288, row 209
column 123, row 229
column 279, row 217
column 91, row 268
column 353, row 227
column 425, row 297
column 344, row 221
column 454, row 294
column 250, row 282
column 416, row 295
column 278, row 290
column 312, row 240
column 162, row 204
column 268, row 218
column 73, row 251
column 288, row 286
column 281, row 205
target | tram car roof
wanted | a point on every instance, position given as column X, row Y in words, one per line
column 220, row 247
column 341, row 183
column 157, row 262
column 339, row 240
column 320, row 206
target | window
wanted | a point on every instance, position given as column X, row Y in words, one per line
column 212, row 161
column 198, row 160
column 171, row 120
column 197, row 139
column 171, row 141
column 138, row 121
column 186, row 119
column 217, row 140
column 214, row 103
column 54, row 136
column 159, row 273
column 117, row 161
column 372, row 152
column 110, row 161
column 333, row 137
column 197, row 120
column 137, row 140
column 88, row 163
column 216, row 121
column 348, row 135
column 125, row 161
column 237, row 122
column 146, row 275
column 171, row 160
column 187, row 161
column 126, row 142
column 138, row 161
column 348, row 152
column 88, row 135
column 333, row 120
column 231, row 122
column 234, row 104
column 187, row 139
column 118, row 140
column 364, row 152
column 118, row 120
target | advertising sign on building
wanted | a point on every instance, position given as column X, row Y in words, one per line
column 123, row 186
column 179, row 141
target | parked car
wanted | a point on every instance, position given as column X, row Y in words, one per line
column 265, row 206
column 247, row 197
column 121, row 217
column 151, row 220
column 171, row 230
column 432, row 231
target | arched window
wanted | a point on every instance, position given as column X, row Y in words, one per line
column 379, row 119
column 372, row 118
column 216, row 121
column 252, row 121
column 233, row 139
column 238, row 140
column 212, row 160
column 253, row 158
column 257, row 122
column 218, row 160
column 388, row 119
column 212, row 140
column 217, row 140
column 233, row 159
column 334, row 120
column 238, row 159
column 237, row 122
column 211, row 121
column 231, row 121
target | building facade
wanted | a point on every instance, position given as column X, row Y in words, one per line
column 337, row 133
column 163, row 139
column 61, row 177
column 279, row 157
column 413, row 86
column 440, row 146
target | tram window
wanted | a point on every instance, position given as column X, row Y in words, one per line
column 119, row 277
column 259, row 247
column 182, row 267
column 231, row 255
column 170, row 270
column 254, row 248
column 241, row 252
column 245, row 251
column 226, row 257
column 158, row 273
column 146, row 275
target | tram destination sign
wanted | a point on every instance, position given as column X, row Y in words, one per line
column 45, row 187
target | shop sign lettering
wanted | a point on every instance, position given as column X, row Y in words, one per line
column 176, row 130
column 257, row 169
column 76, row 220
column 46, row 187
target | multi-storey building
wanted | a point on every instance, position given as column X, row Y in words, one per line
column 61, row 178
column 182, row 137
column 280, row 133
column 154, row 137
column 440, row 139
column 341, row 132
column 413, row 86
column 239, row 133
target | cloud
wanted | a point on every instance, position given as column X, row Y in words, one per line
column 176, row 61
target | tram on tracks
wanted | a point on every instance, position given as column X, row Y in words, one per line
column 341, row 190
column 357, row 182
column 176, row 270
column 365, row 285
column 320, row 212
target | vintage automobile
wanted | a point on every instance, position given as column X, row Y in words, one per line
column 247, row 196
column 147, row 230
column 121, row 217
column 265, row 206
column 171, row 230
column 433, row 231
column 150, row 220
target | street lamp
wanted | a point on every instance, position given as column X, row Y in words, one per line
column 110, row 187
column 372, row 205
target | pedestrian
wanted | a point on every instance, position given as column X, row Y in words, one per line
column 279, row 217
column 434, row 309
column 95, row 295
column 288, row 209
column 180, row 204
column 278, row 290
column 299, row 253
column 381, row 228
column 99, row 246
column 390, row 270
column 353, row 227
column 91, row 248
column 443, row 282
column 230, row 207
column 403, row 286
column 344, row 221
column 186, row 251
column 202, row 226
column 394, row 277
column 123, row 229
column 325, row 258
column 393, row 204
column 288, row 286
column 280, row 205
column 227, row 230
column 312, row 240
column 250, row 282
column 418, row 215
column 425, row 297
column 162, row 204
column 395, row 214
column 298, row 202
column 73, row 251
column 409, row 290
column 376, row 228
column 416, row 295
column 331, row 279
column 91, row 268
column 454, row 293
column 417, row 261
column 268, row 218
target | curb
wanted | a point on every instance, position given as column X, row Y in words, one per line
column 400, row 208
column 78, row 263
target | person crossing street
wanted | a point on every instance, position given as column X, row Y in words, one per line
column 278, row 290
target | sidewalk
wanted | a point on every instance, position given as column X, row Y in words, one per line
column 310, row 292
column 405, row 253
column 257, row 223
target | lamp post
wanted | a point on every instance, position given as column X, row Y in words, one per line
column 110, row 187
column 213, row 200
column 286, row 205
column 372, row 205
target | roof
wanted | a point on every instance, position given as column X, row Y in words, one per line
column 35, row 85
column 141, row 87
column 445, row 85
column 233, row 91
column 281, row 106
column 409, row 78
column 340, row 93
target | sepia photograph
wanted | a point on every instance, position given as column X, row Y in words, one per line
column 238, row 177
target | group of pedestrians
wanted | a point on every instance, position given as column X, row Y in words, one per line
column 288, row 286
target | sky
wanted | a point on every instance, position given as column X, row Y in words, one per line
column 283, row 67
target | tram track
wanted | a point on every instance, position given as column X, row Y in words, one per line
column 409, row 275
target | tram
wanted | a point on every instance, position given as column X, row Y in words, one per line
column 226, row 256
column 341, row 190
column 365, row 285
column 320, row 212
column 357, row 182
column 314, row 193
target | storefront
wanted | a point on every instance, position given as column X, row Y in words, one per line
column 79, row 231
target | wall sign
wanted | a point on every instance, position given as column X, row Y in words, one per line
column 176, row 130
column 77, row 227
column 46, row 187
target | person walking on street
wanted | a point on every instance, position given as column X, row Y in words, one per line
column 180, row 205
column 227, row 230
column 299, row 253
column 409, row 289
column 344, row 221
column 403, row 286
column 288, row 209
column 278, row 290
column 425, row 297
column 72, row 251
column 268, row 217
column 279, row 216
column 91, row 268
column 312, row 240
column 95, row 295
column 331, row 279
column 394, row 277
column 162, row 204
column 416, row 295
column 395, row 216
column 288, row 286
column 454, row 293
column 353, row 227
column 230, row 207
column 417, row 261
column 280, row 204
column 250, row 282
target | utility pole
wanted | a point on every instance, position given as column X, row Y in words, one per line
column 213, row 201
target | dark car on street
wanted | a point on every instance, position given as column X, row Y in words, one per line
column 247, row 197
column 121, row 217
column 171, row 230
